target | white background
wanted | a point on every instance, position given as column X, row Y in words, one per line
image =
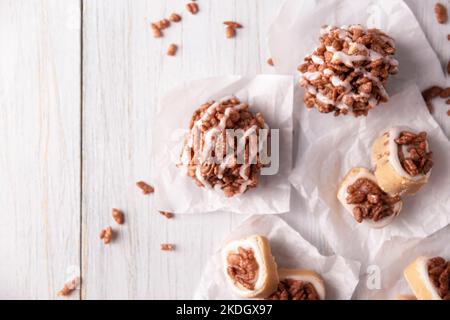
column 79, row 82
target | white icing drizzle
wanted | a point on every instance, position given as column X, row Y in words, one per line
column 311, row 76
column 337, row 82
column 317, row 59
column 324, row 99
column 328, row 72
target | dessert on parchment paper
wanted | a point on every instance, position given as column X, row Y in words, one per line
column 348, row 71
column 402, row 165
column 429, row 278
column 251, row 272
column 362, row 197
column 278, row 257
column 204, row 157
column 250, row 268
column 402, row 160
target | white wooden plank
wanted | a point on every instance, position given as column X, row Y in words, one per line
column 126, row 71
column 40, row 147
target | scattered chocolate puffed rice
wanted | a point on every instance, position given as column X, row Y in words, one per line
column 157, row 33
column 167, row 246
column 158, row 26
column 175, row 17
column 205, row 157
column 192, row 7
column 69, row 286
column 118, row 216
column 349, row 70
column 433, row 92
column 168, row 215
column 172, row 50
column 231, row 26
column 106, row 235
column 441, row 13
column 230, row 32
column 146, row 188
column 162, row 24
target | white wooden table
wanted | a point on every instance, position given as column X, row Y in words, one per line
column 79, row 82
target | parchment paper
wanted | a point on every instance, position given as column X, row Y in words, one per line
column 394, row 256
column 295, row 34
column 291, row 251
column 175, row 192
column 321, row 167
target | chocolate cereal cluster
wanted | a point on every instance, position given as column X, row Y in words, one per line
column 205, row 158
column 349, row 70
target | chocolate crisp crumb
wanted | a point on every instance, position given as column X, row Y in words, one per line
column 106, row 235
column 69, row 287
column 146, row 188
column 233, row 24
column 175, row 17
column 167, row 246
column 117, row 216
column 230, row 32
column 192, row 7
column 168, row 215
column 172, row 50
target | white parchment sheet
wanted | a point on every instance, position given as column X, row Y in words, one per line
column 321, row 167
column 385, row 279
column 290, row 251
column 175, row 192
column 295, row 34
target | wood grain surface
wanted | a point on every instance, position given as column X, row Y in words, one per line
column 79, row 83
column 40, row 147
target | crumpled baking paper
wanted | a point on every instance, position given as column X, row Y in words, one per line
column 290, row 250
column 328, row 146
column 175, row 192
column 385, row 278
column 321, row 167
column 295, row 34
